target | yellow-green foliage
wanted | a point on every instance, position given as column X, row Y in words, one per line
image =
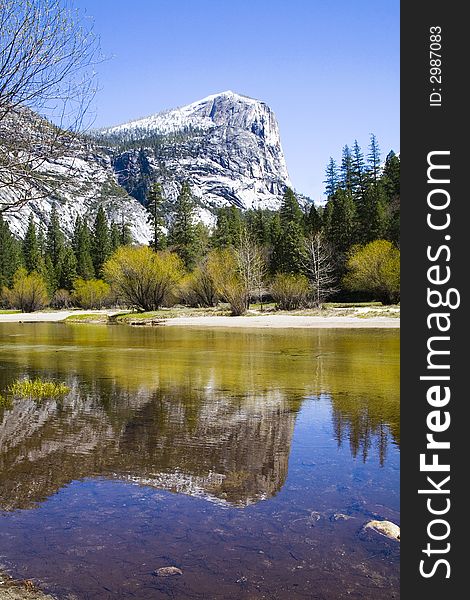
column 5, row 402
column 37, row 389
column 224, row 270
column 91, row 293
column 290, row 291
column 375, row 268
column 28, row 292
column 143, row 278
column 198, row 288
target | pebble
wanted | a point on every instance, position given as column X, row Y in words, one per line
column 340, row 517
column 168, row 571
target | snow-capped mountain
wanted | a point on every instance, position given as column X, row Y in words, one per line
column 225, row 109
column 227, row 147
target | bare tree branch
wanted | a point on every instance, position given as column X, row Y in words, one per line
column 47, row 82
column 251, row 265
column 318, row 264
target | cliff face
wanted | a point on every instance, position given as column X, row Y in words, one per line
column 226, row 146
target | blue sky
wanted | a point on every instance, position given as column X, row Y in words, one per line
column 329, row 70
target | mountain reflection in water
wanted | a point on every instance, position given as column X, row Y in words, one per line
column 250, row 460
column 201, row 413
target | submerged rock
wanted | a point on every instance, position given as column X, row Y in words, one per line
column 386, row 528
column 340, row 517
column 168, row 571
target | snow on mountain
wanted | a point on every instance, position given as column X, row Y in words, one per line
column 86, row 181
column 226, row 108
column 227, row 146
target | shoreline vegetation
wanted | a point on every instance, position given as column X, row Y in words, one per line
column 333, row 315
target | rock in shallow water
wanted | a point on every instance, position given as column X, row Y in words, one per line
column 386, row 528
column 340, row 517
column 168, row 571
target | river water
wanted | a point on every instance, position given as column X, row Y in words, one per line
column 248, row 459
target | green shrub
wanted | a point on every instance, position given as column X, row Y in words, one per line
column 290, row 291
column 225, row 273
column 28, row 292
column 375, row 268
column 91, row 293
column 197, row 289
column 142, row 278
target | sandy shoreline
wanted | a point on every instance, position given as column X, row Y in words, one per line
column 52, row 316
column 272, row 321
column 284, row 322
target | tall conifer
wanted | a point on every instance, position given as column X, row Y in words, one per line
column 31, row 252
column 182, row 236
column 155, row 207
column 101, row 243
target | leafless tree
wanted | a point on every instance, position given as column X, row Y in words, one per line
column 47, row 82
column 251, row 265
column 318, row 264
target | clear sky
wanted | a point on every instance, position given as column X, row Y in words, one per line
column 329, row 69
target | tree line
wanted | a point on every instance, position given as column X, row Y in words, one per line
column 57, row 262
column 300, row 255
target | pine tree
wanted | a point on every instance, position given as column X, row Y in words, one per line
column 101, row 244
column 68, row 270
column 326, row 215
column 50, row 275
column 41, row 242
column 228, row 227
column 81, row 244
column 125, row 235
column 332, row 178
column 373, row 218
column 347, row 169
column 390, row 181
column 31, row 252
column 55, row 243
column 182, row 236
column 55, row 240
column 275, row 233
column 10, row 254
column 313, row 221
column 358, row 170
column 391, row 175
column 374, row 159
column 290, row 210
column 202, row 239
column 288, row 247
column 155, row 207
column 342, row 226
column 259, row 223
column 114, row 237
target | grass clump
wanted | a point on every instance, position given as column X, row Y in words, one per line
column 88, row 318
column 5, row 402
column 37, row 389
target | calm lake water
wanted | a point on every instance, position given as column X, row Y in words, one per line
column 250, row 460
